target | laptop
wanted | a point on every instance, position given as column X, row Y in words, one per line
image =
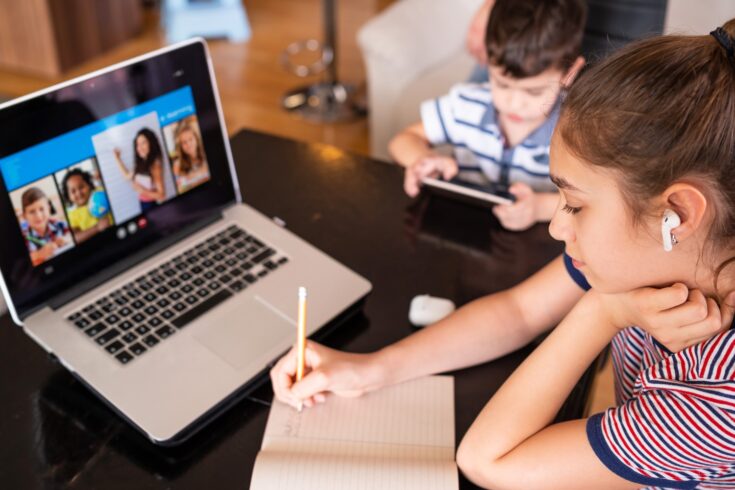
column 129, row 255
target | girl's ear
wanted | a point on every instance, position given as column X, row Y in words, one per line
column 572, row 73
column 691, row 206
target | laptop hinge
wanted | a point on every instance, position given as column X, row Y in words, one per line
column 118, row 268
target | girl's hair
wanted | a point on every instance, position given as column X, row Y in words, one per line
column 143, row 166
column 659, row 111
column 32, row 195
column 71, row 173
column 185, row 163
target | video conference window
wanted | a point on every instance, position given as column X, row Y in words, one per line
column 85, row 200
column 68, row 189
column 42, row 222
column 186, row 151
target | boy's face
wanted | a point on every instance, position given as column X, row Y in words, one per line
column 524, row 101
column 37, row 214
column 78, row 190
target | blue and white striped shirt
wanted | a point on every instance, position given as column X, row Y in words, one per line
column 466, row 119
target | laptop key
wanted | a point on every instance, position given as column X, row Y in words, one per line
column 129, row 337
column 115, row 347
column 107, row 336
column 263, row 255
column 237, row 285
column 165, row 331
column 142, row 329
column 150, row 340
column 250, row 278
column 125, row 325
column 138, row 317
column 201, row 308
column 179, row 307
column 154, row 322
column 124, row 357
column 282, row 260
column 94, row 315
column 82, row 323
column 94, row 329
column 137, row 349
column 74, row 316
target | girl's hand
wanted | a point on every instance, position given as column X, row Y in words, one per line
column 522, row 214
column 428, row 166
column 327, row 370
column 675, row 316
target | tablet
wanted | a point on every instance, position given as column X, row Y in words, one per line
column 484, row 194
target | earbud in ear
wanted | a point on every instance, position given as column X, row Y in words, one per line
column 670, row 221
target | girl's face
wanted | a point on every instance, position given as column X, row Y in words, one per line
column 189, row 143
column 142, row 147
column 78, row 190
column 595, row 224
column 37, row 214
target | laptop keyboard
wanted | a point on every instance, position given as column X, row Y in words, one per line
column 136, row 317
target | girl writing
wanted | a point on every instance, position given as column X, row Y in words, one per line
column 646, row 135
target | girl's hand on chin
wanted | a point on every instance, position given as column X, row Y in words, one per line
column 675, row 316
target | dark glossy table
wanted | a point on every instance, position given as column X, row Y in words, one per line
column 54, row 434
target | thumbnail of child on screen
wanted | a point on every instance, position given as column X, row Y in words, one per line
column 87, row 216
column 44, row 236
column 147, row 174
column 190, row 165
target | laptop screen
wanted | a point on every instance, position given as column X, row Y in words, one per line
column 94, row 171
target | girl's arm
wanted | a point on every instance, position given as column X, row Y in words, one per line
column 512, row 445
column 159, row 192
column 123, row 169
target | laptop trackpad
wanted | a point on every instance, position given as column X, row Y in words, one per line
column 244, row 334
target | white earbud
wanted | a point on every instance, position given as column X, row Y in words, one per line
column 671, row 220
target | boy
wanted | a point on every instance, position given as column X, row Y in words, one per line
column 501, row 131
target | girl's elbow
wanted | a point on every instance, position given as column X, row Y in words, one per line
column 477, row 466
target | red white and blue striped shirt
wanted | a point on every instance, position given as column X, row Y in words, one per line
column 674, row 426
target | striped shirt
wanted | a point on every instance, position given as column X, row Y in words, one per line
column 466, row 119
column 674, row 426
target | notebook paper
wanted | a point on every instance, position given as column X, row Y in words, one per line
column 400, row 437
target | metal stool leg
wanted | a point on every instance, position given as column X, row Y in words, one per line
column 328, row 100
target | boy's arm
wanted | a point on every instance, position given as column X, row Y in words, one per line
column 410, row 145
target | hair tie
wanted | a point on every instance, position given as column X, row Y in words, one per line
column 725, row 41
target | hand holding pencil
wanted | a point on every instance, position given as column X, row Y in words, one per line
column 305, row 375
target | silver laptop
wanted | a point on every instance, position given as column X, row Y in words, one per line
column 128, row 254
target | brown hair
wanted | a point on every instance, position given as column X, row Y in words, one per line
column 527, row 37
column 659, row 111
column 185, row 163
column 32, row 195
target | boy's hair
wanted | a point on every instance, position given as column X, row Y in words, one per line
column 71, row 173
column 32, row 195
column 660, row 111
column 527, row 37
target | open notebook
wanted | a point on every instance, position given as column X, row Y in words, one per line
column 400, row 437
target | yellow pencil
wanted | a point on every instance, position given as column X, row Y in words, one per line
column 301, row 337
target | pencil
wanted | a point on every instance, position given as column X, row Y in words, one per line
column 301, row 338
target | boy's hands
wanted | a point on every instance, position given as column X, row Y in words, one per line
column 428, row 166
column 675, row 316
column 523, row 213
column 327, row 370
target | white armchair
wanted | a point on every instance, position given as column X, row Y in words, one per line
column 413, row 50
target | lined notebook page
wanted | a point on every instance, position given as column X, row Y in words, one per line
column 401, row 437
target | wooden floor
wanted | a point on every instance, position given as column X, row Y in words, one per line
column 250, row 78
column 251, row 81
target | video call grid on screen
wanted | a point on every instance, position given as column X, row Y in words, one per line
column 95, row 157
